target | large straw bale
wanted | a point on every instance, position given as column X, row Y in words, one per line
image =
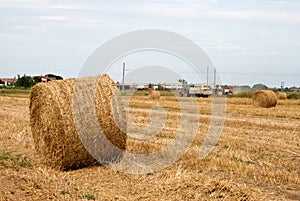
column 154, row 94
column 55, row 137
column 281, row 95
column 264, row 98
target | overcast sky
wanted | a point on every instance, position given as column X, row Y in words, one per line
column 249, row 41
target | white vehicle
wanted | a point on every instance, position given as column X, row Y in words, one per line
column 201, row 91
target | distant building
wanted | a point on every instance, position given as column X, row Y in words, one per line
column 295, row 90
column 135, row 86
column 140, row 87
column 43, row 78
column 8, row 81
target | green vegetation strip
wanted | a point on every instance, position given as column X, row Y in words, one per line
column 14, row 91
column 293, row 95
column 241, row 95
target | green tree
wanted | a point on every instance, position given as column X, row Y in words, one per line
column 159, row 87
column 183, row 81
column 245, row 88
column 24, row 81
column 185, row 86
column 150, row 85
column 259, row 87
column 37, row 79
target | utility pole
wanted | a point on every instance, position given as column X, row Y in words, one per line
column 282, row 86
column 123, row 76
column 207, row 76
column 215, row 77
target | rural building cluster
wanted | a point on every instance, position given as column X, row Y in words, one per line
column 27, row 81
column 183, row 88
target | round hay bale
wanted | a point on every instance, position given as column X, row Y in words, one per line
column 52, row 124
column 264, row 98
column 154, row 94
column 281, row 95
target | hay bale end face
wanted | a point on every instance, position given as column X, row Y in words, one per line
column 154, row 94
column 265, row 98
column 53, row 128
column 281, row 95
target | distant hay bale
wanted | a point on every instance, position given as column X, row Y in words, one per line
column 154, row 94
column 52, row 123
column 264, row 98
column 281, row 95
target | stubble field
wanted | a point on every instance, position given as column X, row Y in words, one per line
column 256, row 158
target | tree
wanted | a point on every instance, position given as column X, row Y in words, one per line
column 1, row 82
column 25, row 81
column 37, row 79
column 259, row 87
column 183, row 81
column 160, row 88
column 245, row 88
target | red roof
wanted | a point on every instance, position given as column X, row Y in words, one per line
column 8, row 80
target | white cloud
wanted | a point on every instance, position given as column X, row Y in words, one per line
column 215, row 43
column 228, row 47
column 169, row 10
column 275, row 3
column 19, row 4
column 72, row 6
column 204, row 10
column 7, row 36
column 235, row 34
column 257, row 15
column 54, row 18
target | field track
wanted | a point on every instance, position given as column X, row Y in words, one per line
column 256, row 158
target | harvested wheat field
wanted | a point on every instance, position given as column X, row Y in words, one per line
column 256, row 158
